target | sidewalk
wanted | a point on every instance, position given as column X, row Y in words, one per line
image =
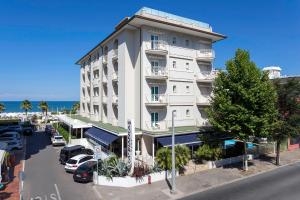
column 11, row 190
column 197, row 182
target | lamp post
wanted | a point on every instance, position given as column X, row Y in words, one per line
column 173, row 154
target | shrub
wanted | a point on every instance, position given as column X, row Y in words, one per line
column 208, row 153
column 112, row 167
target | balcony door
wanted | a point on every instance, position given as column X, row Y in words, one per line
column 155, row 67
column 154, row 93
column 154, row 119
column 154, row 41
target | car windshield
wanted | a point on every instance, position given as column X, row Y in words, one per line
column 86, row 166
column 72, row 161
column 58, row 137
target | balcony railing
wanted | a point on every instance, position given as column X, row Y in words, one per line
column 205, row 76
column 156, row 125
column 205, row 54
column 203, row 100
column 115, row 99
column 115, row 54
column 104, row 59
column 158, row 47
column 157, row 73
column 104, row 99
column 156, row 99
column 203, row 122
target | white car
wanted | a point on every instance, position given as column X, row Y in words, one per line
column 12, row 144
column 73, row 163
column 58, row 140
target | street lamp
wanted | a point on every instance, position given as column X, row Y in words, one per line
column 173, row 154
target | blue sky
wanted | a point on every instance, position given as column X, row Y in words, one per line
column 41, row 40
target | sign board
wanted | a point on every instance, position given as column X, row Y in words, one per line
column 97, row 152
column 131, row 144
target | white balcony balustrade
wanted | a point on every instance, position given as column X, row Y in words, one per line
column 104, row 59
column 156, row 100
column 203, row 100
column 114, row 76
column 115, row 99
column 205, row 76
column 159, row 73
column 104, row 99
column 156, row 125
column 205, row 54
column 156, row 47
column 115, row 54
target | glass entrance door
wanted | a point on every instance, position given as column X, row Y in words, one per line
column 154, row 93
column 154, row 119
column 154, row 67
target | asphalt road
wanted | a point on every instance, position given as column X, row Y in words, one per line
column 45, row 178
column 280, row 184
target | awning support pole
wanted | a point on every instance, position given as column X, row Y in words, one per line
column 153, row 151
column 122, row 147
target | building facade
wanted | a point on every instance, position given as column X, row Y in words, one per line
column 153, row 63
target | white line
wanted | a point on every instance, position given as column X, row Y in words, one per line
column 97, row 192
column 58, row 195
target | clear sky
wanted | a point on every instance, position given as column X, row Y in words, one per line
column 40, row 40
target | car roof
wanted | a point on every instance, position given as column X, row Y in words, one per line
column 70, row 148
column 78, row 157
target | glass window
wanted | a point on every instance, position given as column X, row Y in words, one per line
column 187, row 112
column 174, row 89
column 187, row 89
column 187, row 43
column 187, row 66
column 174, row 40
column 174, row 64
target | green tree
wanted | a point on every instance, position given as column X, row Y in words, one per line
column 288, row 104
column 2, row 107
column 243, row 104
column 75, row 107
column 164, row 157
column 26, row 105
column 43, row 105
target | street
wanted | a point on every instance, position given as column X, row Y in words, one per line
column 45, row 178
column 282, row 183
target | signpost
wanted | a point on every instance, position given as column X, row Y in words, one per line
column 131, row 144
column 97, row 157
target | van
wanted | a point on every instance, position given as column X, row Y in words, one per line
column 70, row 151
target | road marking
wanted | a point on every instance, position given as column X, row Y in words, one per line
column 57, row 191
column 97, row 192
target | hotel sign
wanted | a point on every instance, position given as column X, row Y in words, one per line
column 131, row 144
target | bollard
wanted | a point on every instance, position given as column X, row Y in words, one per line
column 149, row 179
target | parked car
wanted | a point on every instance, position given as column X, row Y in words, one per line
column 70, row 151
column 12, row 143
column 73, row 163
column 58, row 140
column 27, row 131
column 10, row 134
column 17, row 128
column 84, row 172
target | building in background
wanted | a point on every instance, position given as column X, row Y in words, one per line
column 273, row 71
column 152, row 64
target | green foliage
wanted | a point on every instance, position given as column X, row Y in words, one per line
column 26, row 105
column 75, row 107
column 208, row 153
column 62, row 131
column 43, row 105
column 112, row 167
column 2, row 107
column 164, row 157
column 244, row 100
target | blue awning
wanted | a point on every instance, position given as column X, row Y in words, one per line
column 102, row 137
column 191, row 139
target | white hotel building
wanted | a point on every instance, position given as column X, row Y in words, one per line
column 152, row 64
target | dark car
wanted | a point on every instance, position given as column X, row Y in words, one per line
column 27, row 131
column 84, row 173
column 70, row 151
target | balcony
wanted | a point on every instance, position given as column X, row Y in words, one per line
column 157, row 74
column 104, row 59
column 154, row 126
column 156, row 100
column 114, row 76
column 104, row 80
column 115, row 55
column 203, row 100
column 205, row 55
column 205, row 77
column 96, row 81
column 158, row 47
column 104, row 99
column 115, row 100
column 203, row 122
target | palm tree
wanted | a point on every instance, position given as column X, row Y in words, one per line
column 164, row 158
column 26, row 105
column 75, row 107
column 44, row 107
column 2, row 107
column 183, row 155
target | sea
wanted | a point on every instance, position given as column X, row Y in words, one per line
column 15, row 106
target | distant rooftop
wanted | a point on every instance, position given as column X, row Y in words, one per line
column 173, row 18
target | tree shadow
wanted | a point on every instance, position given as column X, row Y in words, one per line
column 238, row 165
column 36, row 142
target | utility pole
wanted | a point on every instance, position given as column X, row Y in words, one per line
column 173, row 155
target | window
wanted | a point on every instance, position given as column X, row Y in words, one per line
column 174, row 89
column 174, row 64
column 187, row 89
column 187, row 66
column 187, row 113
column 187, row 43
column 174, row 40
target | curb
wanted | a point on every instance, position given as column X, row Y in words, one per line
column 240, row 179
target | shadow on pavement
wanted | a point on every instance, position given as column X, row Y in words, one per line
column 5, row 195
column 36, row 142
